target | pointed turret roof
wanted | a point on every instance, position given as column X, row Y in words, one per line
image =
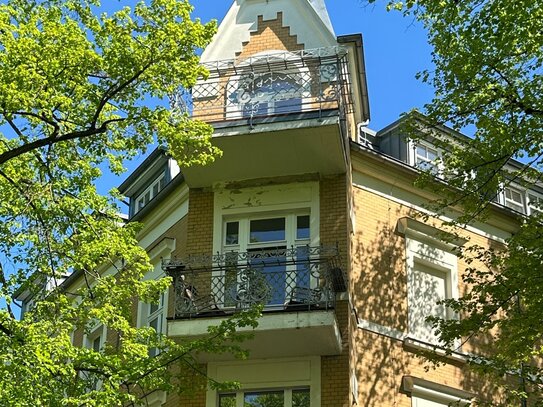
column 322, row 12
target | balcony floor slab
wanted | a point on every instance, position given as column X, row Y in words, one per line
column 281, row 334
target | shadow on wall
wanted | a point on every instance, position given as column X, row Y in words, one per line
column 379, row 286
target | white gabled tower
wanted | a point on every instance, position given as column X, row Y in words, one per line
column 305, row 20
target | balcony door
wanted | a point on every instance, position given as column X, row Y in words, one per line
column 266, row 258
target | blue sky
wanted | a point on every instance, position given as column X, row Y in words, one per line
column 395, row 47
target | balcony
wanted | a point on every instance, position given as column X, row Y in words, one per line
column 297, row 287
column 291, row 105
column 271, row 85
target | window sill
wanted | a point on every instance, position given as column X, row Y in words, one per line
column 417, row 345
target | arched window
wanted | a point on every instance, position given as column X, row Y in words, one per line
column 267, row 85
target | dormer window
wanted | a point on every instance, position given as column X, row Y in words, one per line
column 426, row 158
column 149, row 180
column 150, row 192
column 535, row 203
column 514, row 199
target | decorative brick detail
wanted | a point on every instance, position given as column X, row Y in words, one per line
column 270, row 35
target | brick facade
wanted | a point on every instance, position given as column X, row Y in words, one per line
column 270, row 35
column 200, row 222
column 334, row 230
column 379, row 286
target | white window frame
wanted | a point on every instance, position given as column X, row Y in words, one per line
column 244, row 245
column 150, row 189
column 268, row 375
column 531, row 197
column 438, row 165
column 161, row 250
column 287, row 395
column 423, row 246
column 519, row 206
column 96, row 331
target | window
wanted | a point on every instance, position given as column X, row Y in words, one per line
column 268, row 84
column 95, row 341
column 272, row 93
column 150, row 192
column 514, row 199
column 267, row 241
column 275, row 398
column 430, row 284
column 155, row 318
column 535, row 203
column 426, row 158
column 432, row 276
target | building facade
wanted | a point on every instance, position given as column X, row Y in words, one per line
column 312, row 215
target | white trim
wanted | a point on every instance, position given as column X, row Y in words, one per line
column 269, row 374
column 489, row 235
column 170, row 211
column 266, row 200
column 425, row 390
column 381, row 329
column 156, row 399
column 421, row 254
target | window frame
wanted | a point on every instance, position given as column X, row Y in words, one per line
column 161, row 177
column 424, row 248
column 245, row 245
column 436, row 164
column 513, row 204
column 287, row 394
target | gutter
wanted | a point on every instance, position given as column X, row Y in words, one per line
column 360, row 61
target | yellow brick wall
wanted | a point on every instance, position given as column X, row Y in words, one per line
column 379, row 286
column 270, row 35
column 334, row 230
column 200, row 222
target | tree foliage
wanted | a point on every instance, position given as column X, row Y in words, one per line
column 81, row 90
column 488, row 75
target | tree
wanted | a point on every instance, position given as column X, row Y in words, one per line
column 77, row 91
column 488, row 75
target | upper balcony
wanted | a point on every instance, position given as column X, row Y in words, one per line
column 287, row 105
column 297, row 287
column 271, row 87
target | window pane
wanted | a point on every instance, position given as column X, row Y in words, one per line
column 300, row 398
column 302, row 230
column 421, row 151
column 232, row 233
column 430, row 287
column 96, row 344
column 154, row 324
column 267, row 230
column 227, row 400
column 268, row 399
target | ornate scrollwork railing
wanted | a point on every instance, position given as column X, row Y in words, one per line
column 295, row 278
column 280, row 83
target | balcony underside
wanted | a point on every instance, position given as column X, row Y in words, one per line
column 281, row 334
column 274, row 148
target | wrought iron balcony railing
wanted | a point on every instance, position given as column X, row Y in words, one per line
column 289, row 279
column 275, row 84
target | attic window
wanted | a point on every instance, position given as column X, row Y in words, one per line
column 150, row 192
column 426, row 158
